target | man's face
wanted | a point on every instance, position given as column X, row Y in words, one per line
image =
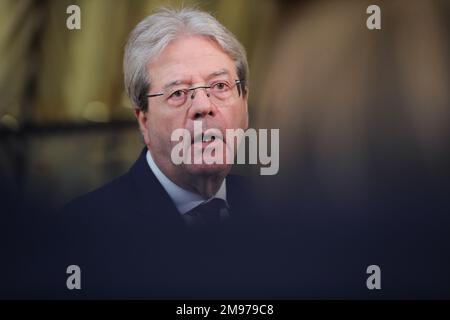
column 189, row 62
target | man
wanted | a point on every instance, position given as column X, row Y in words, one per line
column 181, row 67
column 179, row 80
column 140, row 235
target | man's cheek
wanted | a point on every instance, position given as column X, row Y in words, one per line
column 146, row 136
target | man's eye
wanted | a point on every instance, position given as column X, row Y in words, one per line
column 178, row 94
column 220, row 86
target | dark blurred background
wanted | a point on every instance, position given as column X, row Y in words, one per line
column 363, row 115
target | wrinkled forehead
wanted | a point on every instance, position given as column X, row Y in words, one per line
column 222, row 74
column 191, row 59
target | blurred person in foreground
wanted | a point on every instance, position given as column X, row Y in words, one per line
column 368, row 180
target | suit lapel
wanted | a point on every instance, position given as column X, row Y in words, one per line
column 152, row 199
column 154, row 203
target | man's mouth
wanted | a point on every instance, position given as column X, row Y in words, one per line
column 207, row 138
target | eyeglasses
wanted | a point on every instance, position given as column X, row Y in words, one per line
column 219, row 92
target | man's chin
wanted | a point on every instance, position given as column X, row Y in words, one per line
column 205, row 169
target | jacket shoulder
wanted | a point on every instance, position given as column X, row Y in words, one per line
column 108, row 196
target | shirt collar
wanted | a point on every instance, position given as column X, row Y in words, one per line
column 184, row 200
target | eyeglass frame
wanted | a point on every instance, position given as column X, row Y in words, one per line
column 237, row 83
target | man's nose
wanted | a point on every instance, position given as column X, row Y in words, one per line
column 201, row 104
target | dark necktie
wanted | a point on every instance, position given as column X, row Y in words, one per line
column 209, row 214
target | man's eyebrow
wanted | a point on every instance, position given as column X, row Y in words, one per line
column 220, row 72
column 174, row 83
column 214, row 74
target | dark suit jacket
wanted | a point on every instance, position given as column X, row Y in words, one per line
column 130, row 241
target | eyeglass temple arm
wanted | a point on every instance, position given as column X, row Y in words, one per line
column 155, row 95
column 240, row 84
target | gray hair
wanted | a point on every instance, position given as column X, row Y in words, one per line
column 152, row 35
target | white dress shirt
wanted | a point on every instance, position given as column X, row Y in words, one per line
column 184, row 200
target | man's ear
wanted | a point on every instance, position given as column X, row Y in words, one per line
column 141, row 117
